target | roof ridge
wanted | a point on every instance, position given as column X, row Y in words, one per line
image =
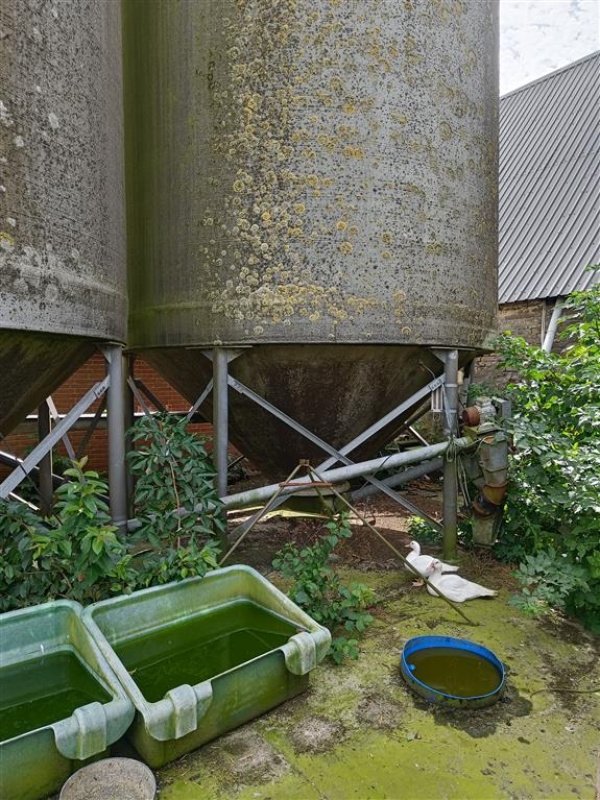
column 589, row 57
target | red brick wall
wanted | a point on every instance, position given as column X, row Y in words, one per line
column 24, row 438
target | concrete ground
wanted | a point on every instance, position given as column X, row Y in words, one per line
column 360, row 733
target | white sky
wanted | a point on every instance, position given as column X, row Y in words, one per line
column 539, row 36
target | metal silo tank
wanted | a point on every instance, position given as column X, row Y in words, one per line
column 315, row 180
column 62, row 248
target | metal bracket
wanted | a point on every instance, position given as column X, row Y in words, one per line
column 138, row 395
column 207, row 390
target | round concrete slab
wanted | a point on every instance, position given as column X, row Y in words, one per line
column 111, row 779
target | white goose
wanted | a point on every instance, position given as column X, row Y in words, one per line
column 422, row 562
column 453, row 586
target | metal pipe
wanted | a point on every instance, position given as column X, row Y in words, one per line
column 129, row 422
column 402, row 477
column 450, row 497
column 342, row 474
column 220, row 417
column 552, row 327
column 45, row 480
column 117, row 471
column 417, row 435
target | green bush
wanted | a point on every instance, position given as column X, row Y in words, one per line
column 76, row 552
column 552, row 515
column 175, row 500
column 318, row 589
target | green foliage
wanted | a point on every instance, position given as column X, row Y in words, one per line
column 425, row 533
column 553, row 506
column 318, row 589
column 175, row 499
column 75, row 553
column 480, row 390
column 547, row 583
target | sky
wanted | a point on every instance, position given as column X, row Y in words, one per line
column 539, row 36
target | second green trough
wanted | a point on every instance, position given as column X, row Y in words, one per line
column 203, row 656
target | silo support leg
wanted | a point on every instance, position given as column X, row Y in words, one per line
column 336, row 455
column 57, row 433
column 117, row 470
column 450, row 497
column 220, row 417
column 46, row 485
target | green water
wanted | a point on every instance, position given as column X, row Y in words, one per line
column 455, row 672
column 195, row 649
column 44, row 690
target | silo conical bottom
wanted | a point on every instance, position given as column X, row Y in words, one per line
column 336, row 391
column 33, row 366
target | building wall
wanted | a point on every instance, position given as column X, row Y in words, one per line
column 529, row 319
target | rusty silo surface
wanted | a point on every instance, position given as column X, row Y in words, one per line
column 62, row 247
column 308, row 172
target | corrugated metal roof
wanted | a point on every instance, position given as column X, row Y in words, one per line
column 549, row 190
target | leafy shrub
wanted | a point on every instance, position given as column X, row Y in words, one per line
column 318, row 589
column 75, row 553
column 548, row 583
column 423, row 532
column 553, row 507
column 476, row 390
column 175, row 500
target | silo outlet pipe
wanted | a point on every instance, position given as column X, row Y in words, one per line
column 255, row 497
column 400, row 478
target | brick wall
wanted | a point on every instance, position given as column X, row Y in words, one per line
column 24, row 438
column 529, row 319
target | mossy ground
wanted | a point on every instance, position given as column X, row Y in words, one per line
column 360, row 733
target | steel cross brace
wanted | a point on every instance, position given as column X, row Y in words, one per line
column 340, row 455
column 55, row 435
column 55, row 417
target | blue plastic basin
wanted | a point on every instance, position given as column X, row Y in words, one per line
column 438, row 696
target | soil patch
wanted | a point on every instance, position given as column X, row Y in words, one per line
column 316, row 735
column 379, row 711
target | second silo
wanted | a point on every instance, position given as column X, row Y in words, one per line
column 317, row 180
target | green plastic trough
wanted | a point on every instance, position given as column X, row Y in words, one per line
column 60, row 703
column 200, row 657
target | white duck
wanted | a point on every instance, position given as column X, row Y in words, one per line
column 422, row 562
column 453, row 586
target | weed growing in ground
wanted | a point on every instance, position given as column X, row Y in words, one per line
column 318, row 589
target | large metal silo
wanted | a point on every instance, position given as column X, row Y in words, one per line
column 62, row 244
column 315, row 180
